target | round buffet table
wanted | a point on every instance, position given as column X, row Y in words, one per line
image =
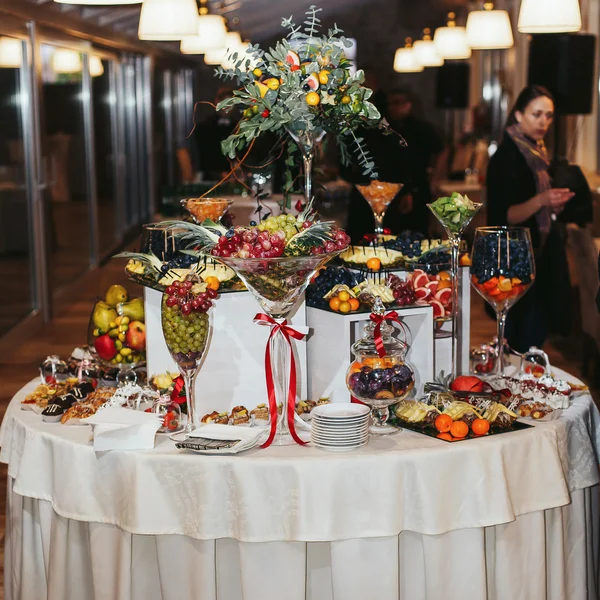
column 508, row 517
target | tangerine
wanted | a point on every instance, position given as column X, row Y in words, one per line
column 445, row 436
column 444, row 276
column 354, row 303
column 312, row 98
column 334, row 303
column 480, row 426
column 465, row 260
column 344, row 296
column 443, row 423
column 459, row 429
column 374, row 264
column 444, row 284
column 212, row 283
column 345, row 307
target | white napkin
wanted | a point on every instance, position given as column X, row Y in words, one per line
column 248, row 435
column 117, row 428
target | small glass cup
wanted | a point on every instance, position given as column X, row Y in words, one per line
column 169, row 413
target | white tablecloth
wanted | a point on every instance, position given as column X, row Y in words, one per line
column 518, row 514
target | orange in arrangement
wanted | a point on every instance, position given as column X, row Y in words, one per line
column 499, row 289
column 459, row 429
column 212, row 283
column 480, row 426
column 344, row 302
column 443, row 423
column 374, row 264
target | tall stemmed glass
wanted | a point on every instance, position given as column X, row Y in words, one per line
column 186, row 328
column 277, row 284
column 454, row 214
column 379, row 195
column 307, row 139
column 502, row 271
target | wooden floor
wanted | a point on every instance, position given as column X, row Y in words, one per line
column 69, row 329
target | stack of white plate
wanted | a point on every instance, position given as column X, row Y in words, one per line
column 340, row 427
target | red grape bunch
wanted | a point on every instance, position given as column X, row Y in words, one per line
column 403, row 291
column 183, row 294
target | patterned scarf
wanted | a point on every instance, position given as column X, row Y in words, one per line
column 536, row 157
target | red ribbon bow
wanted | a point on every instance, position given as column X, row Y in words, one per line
column 288, row 333
column 378, row 320
column 176, row 393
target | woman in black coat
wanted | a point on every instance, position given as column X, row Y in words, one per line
column 520, row 193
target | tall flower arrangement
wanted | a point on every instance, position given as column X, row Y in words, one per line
column 304, row 85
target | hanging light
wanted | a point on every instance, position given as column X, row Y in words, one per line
column 168, row 20
column 218, row 57
column 425, row 51
column 11, row 53
column 96, row 67
column 210, row 33
column 99, row 2
column 66, row 61
column 451, row 41
column 549, row 16
column 405, row 60
column 489, row 29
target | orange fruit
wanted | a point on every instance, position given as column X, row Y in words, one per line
column 505, row 285
column 445, row 436
column 444, row 276
column 354, row 303
column 459, row 429
column 345, row 307
column 334, row 303
column 443, row 423
column 356, row 366
column 312, row 98
column 444, row 284
column 212, row 283
column 344, row 296
column 374, row 264
column 465, row 260
column 480, row 426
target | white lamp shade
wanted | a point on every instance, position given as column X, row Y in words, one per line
column 211, row 34
column 549, row 16
column 405, row 61
column 66, row 61
column 11, row 53
column 426, row 54
column 99, row 2
column 168, row 20
column 214, row 57
column 451, row 43
column 218, row 57
column 96, row 66
column 489, row 30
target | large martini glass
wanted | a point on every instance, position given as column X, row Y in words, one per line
column 454, row 213
column 307, row 140
column 379, row 195
column 277, row 284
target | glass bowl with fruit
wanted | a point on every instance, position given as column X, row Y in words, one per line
column 432, row 282
column 202, row 209
column 117, row 333
column 379, row 195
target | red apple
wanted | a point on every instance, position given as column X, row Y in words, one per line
column 467, row 383
column 105, row 347
column 136, row 336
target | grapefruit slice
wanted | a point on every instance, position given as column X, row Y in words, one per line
column 312, row 81
column 433, row 287
column 422, row 293
column 418, row 272
column 438, row 309
column 421, row 280
column 292, row 58
column 444, row 296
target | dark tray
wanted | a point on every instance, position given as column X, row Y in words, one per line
column 432, row 432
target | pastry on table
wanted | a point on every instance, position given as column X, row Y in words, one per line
column 77, row 412
column 304, row 407
column 52, row 413
column 239, row 415
column 322, row 401
column 260, row 413
column 210, row 418
column 65, row 402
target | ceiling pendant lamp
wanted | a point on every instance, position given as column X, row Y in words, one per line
column 11, row 53
column 451, row 41
column 99, row 2
column 210, row 33
column 96, row 67
column 425, row 51
column 549, row 16
column 66, row 61
column 218, row 57
column 405, row 60
column 168, row 20
column 489, row 29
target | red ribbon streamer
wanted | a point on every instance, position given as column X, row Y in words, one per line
column 288, row 333
column 179, row 383
column 378, row 320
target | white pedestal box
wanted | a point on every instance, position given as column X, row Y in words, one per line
column 332, row 335
column 233, row 371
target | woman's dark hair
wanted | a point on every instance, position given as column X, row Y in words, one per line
column 530, row 93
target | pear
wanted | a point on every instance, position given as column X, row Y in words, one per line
column 103, row 315
column 116, row 294
column 134, row 309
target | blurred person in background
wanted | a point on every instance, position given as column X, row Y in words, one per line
column 520, row 193
column 209, row 134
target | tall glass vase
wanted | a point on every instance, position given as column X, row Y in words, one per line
column 307, row 140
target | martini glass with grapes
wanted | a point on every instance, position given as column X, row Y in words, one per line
column 185, row 325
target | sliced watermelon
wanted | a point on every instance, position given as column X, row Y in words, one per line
column 444, row 296
column 438, row 309
column 421, row 280
column 433, row 287
column 422, row 293
column 292, row 59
